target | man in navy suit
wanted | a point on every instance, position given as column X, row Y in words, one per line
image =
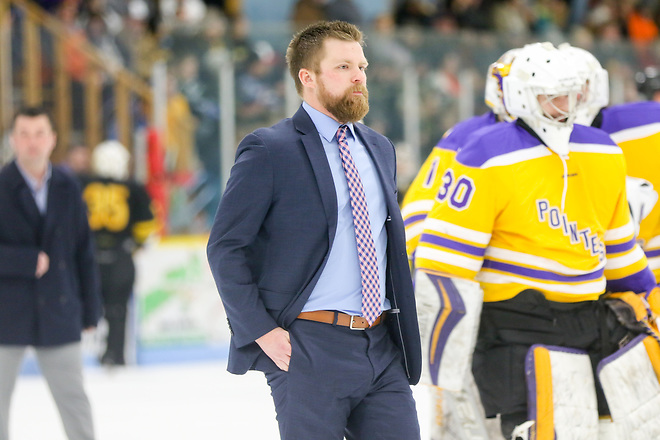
column 285, row 258
column 49, row 289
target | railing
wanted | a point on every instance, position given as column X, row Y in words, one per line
column 421, row 83
column 34, row 26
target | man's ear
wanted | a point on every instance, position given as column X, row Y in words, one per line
column 307, row 78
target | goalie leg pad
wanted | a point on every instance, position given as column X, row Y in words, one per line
column 607, row 430
column 448, row 311
column 561, row 394
column 456, row 415
column 630, row 380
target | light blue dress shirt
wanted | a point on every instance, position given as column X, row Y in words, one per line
column 38, row 189
column 339, row 286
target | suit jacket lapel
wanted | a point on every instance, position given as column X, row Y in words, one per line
column 56, row 202
column 371, row 143
column 314, row 148
column 24, row 198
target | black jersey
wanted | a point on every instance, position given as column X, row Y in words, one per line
column 120, row 214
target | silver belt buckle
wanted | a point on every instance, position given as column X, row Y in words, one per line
column 351, row 324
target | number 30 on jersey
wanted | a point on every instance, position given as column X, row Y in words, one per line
column 458, row 192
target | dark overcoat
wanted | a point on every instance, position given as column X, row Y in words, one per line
column 54, row 309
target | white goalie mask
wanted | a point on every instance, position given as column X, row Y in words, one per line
column 542, row 89
column 596, row 93
column 110, row 159
column 494, row 96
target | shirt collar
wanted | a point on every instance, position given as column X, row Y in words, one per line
column 325, row 125
column 33, row 183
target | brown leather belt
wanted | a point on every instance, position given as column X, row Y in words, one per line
column 338, row 318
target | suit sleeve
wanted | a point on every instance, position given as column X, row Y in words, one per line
column 18, row 261
column 238, row 222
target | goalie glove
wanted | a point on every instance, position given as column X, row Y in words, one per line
column 637, row 312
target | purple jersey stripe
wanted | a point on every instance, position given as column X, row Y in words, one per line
column 454, row 245
column 541, row 274
column 652, row 253
column 414, row 219
column 622, row 247
column 642, row 281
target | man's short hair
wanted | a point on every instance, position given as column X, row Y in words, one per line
column 32, row 112
column 306, row 48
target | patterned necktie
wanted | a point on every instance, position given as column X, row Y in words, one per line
column 365, row 242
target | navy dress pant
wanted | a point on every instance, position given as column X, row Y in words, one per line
column 343, row 383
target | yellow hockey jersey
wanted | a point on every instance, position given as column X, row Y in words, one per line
column 635, row 127
column 513, row 215
column 423, row 189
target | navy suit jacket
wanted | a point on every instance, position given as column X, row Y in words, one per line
column 54, row 309
column 274, row 228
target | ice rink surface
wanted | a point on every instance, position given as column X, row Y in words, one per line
column 191, row 401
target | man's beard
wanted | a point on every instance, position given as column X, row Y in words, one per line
column 346, row 108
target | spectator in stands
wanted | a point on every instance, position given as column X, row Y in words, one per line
column 512, row 17
column 414, row 13
column 344, row 10
column 385, row 45
column 212, row 47
column 140, row 37
column 241, row 45
column 75, row 62
column 112, row 13
column 550, row 18
column 177, row 13
column 306, row 12
column 203, row 103
column 389, row 59
column 600, row 15
column 204, row 107
column 259, row 89
column 643, row 29
column 49, row 5
column 442, row 92
column 77, row 160
column 648, row 83
column 470, row 14
column 98, row 34
column 181, row 159
column 641, row 25
column 578, row 11
column 232, row 9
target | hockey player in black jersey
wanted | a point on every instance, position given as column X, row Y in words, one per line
column 121, row 217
